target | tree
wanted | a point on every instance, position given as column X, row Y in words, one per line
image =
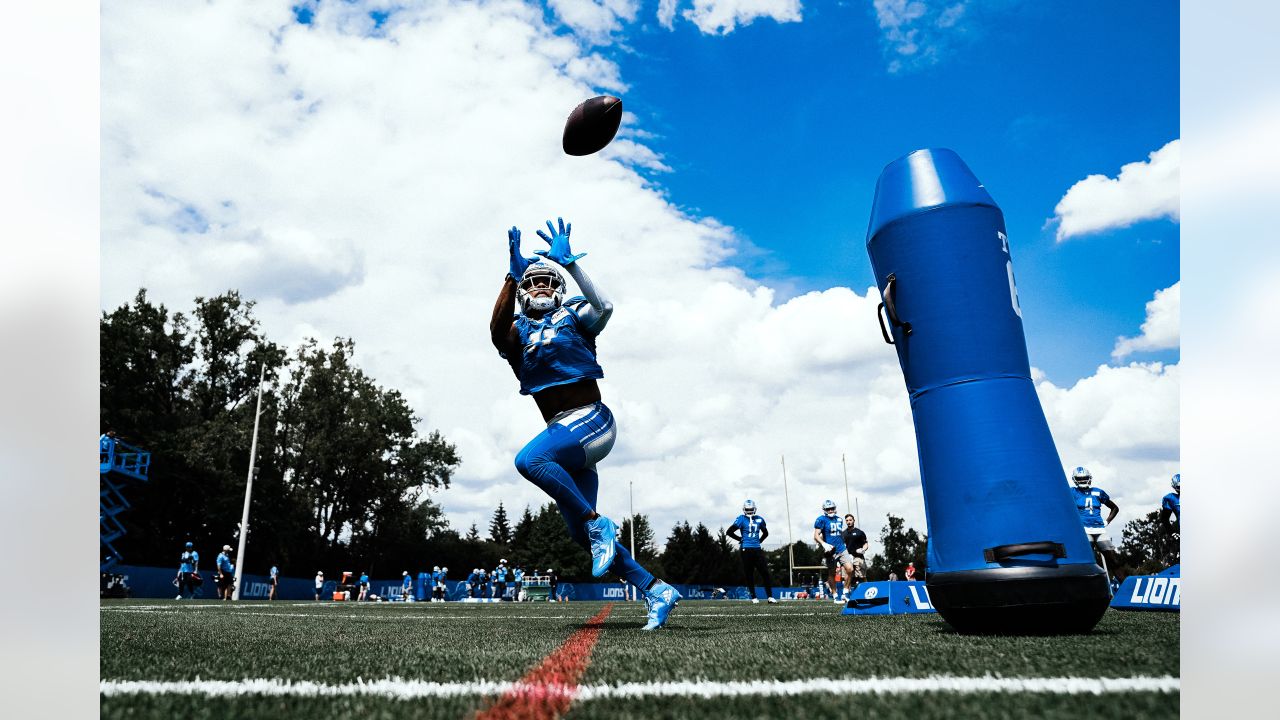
column 342, row 474
column 350, row 447
column 473, row 535
column 901, row 545
column 1147, row 548
column 499, row 528
column 646, row 551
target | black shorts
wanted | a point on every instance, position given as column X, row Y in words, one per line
column 225, row 580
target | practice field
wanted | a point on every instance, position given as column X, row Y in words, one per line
column 730, row 659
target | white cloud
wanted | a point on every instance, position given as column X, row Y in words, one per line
column 915, row 32
column 1160, row 331
column 1123, row 424
column 667, row 13
column 362, row 185
column 1142, row 191
column 721, row 17
column 595, row 20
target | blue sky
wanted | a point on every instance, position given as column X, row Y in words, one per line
column 781, row 129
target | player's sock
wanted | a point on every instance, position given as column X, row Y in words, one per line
column 633, row 572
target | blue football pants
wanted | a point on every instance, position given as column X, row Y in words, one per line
column 562, row 461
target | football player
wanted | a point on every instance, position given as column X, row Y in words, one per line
column 188, row 571
column 828, row 532
column 551, row 346
column 1171, row 515
column 1089, row 503
column 363, row 595
column 749, row 530
column 406, row 586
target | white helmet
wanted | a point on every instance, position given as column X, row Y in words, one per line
column 1082, row 477
column 749, row 507
column 435, row 568
column 829, row 507
column 540, row 274
column 444, row 569
column 1177, row 482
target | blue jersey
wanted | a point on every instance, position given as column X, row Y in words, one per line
column 275, row 572
column 364, row 579
column 518, row 575
column 224, row 563
column 751, row 527
column 189, row 562
column 1089, row 502
column 832, row 531
column 408, row 582
column 1173, row 503
column 555, row 349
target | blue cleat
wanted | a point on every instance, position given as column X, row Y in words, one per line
column 602, row 532
column 661, row 599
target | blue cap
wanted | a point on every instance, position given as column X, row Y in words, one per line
column 924, row 180
column 189, row 544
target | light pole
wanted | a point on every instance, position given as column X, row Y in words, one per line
column 791, row 550
column 631, row 502
column 248, row 488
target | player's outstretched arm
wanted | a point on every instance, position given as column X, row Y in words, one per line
column 502, row 329
column 596, row 315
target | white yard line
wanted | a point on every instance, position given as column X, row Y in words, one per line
column 398, row 689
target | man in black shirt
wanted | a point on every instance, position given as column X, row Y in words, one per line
column 856, row 542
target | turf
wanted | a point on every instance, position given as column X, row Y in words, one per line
column 344, row 642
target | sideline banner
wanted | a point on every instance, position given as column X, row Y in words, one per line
column 1151, row 592
column 885, row 597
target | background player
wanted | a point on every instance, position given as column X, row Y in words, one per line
column 551, row 346
column 1171, row 516
column 1089, row 503
column 855, row 541
column 749, row 530
column 828, row 531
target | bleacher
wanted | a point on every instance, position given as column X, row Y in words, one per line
column 119, row 465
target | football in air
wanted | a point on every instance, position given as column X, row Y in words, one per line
column 592, row 125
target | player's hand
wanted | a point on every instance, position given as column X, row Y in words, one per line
column 518, row 262
column 827, row 548
column 559, row 242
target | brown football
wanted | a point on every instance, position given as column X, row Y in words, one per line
column 592, row 125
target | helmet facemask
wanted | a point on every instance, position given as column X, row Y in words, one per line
column 1082, row 477
column 540, row 275
column 749, row 508
column 829, row 508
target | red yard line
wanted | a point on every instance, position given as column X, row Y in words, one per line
column 547, row 690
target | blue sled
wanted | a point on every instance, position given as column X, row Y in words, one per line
column 889, row 598
column 1151, row 592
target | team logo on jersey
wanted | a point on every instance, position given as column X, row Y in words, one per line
column 559, row 315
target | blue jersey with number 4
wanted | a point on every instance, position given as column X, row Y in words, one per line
column 1089, row 502
column 832, row 531
column 555, row 349
column 751, row 528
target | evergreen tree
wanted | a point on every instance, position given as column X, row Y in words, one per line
column 499, row 529
column 473, row 535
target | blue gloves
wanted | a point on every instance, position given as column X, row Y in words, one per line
column 559, row 242
column 518, row 262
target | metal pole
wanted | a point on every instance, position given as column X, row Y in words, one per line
column 845, row 465
column 791, row 551
column 631, row 500
column 248, row 487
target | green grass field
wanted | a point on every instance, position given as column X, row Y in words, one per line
column 727, row 655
